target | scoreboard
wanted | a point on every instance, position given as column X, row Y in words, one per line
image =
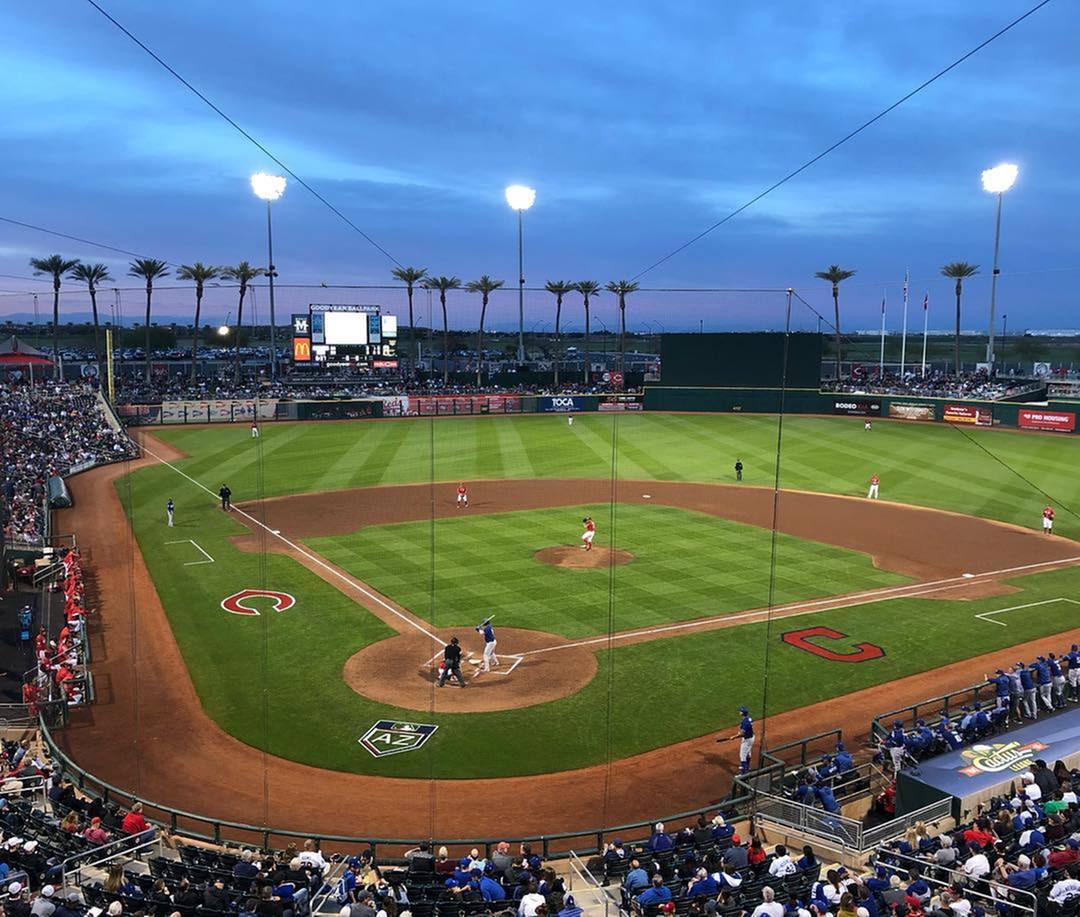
column 339, row 334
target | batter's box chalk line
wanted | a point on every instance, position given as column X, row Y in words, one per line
column 193, row 543
column 988, row 616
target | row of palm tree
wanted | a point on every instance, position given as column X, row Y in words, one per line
column 957, row 270
column 149, row 269
column 485, row 286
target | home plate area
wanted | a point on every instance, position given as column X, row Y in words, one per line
column 507, row 663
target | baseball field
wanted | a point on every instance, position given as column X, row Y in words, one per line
column 697, row 584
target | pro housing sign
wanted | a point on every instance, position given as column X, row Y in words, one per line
column 857, row 406
column 967, row 413
column 1058, row 421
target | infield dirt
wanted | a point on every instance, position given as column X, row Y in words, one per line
column 149, row 734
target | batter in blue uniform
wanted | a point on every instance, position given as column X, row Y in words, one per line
column 490, row 658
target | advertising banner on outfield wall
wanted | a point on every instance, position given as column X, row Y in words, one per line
column 620, row 403
column 903, row 410
column 1058, row 421
column 857, row 406
column 967, row 413
column 561, row 403
column 464, row 404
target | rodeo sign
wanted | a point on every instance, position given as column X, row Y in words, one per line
column 389, row 737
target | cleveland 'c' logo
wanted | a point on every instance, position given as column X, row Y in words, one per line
column 235, row 603
column 861, row 652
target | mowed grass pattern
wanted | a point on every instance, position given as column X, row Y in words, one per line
column 275, row 681
column 993, row 473
column 686, row 565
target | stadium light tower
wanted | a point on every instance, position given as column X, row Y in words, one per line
column 521, row 198
column 997, row 181
column 270, row 188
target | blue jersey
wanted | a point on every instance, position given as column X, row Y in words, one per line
column 1026, row 681
column 1074, row 659
column 489, row 634
column 746, row 727
column 1001, row 685
column 896, row 738
column 1055, row 669
column 1042, row 673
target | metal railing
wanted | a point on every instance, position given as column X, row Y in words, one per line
column 848, row 833
column 881, row 724
column 218, row 831
column 123, row 847
column 579, row 876
column 1019, row 899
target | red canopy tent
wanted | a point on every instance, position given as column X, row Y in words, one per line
column 15, row 354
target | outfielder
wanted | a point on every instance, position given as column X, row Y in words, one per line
column 569, row 420
column 874, row 482
column 1048, row 520
column 589, row 534
column 254, row 429
column 490, row 642
column 169, row 507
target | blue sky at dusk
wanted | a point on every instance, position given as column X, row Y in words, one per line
column 638, row 123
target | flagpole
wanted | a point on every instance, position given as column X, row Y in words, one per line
column 925, row 321
column 881, row 362
column 903, row 343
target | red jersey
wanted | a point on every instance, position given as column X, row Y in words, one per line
column 462, row 489
column 590, row 526
column 874, row 479
column 1048, row 513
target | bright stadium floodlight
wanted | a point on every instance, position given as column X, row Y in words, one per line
column 268, row 187
column 521, row 198
column 997, row 181
column 1000, row 179
column 223, row 330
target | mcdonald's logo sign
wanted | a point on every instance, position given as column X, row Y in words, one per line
column 301, row 350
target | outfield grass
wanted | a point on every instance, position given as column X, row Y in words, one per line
column 274, row 681
column 686, row 565
column 993, row 473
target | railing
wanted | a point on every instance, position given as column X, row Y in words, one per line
column 217, row 831
column 881, row 724
column 125, row 847
column 825, row 739
column 848, row 833
column 580, row 876
column 1019, row 899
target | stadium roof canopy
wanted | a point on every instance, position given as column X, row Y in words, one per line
column 14, row 352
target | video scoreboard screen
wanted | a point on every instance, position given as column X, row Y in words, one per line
column 338, row 334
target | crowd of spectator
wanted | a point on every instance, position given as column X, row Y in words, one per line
column 163, row 387
column 1018, row 851
column 935, row 384
column 47, row 430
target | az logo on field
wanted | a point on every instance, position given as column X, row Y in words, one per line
column 388, row 737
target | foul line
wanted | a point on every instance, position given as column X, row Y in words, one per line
column 312, row 557
column 859, row 598
column 986, row 615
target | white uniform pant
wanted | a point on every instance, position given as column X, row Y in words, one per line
column 254, row 432
column 746, row 748
column 169, row 513
column 570, row 420
column 873, row 492
column 1044, row 695
column 490, row 658
column 1048, row 524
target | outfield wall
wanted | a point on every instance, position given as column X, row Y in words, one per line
column 1056, row 416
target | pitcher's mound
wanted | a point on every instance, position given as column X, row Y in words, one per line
column 575, row 558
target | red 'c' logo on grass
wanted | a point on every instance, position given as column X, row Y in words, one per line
column 234, row 604
column 862, row 652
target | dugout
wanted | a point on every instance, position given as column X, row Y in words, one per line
column 975, row 774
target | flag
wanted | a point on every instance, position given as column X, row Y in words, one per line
column 882, row 305
column 926, row 302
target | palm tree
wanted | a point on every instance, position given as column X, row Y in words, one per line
column 835, row 275
column 442, row 284
column 587, row 288
column 410, row 276
column 959, row 270
column 622, row 288
column 57, row 266
column 485, row 286
column 199, row 274
column 150, row 269
column 558, row 288
column 243, row 274
column 92, row 275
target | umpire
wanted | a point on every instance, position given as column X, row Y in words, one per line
column 451, row 663
column 226, row 497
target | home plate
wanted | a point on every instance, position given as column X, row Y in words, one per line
column 646, row 496
column 968, row 575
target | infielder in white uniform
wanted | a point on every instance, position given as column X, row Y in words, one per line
column 490, row 643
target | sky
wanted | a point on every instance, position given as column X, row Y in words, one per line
column 639, row 124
